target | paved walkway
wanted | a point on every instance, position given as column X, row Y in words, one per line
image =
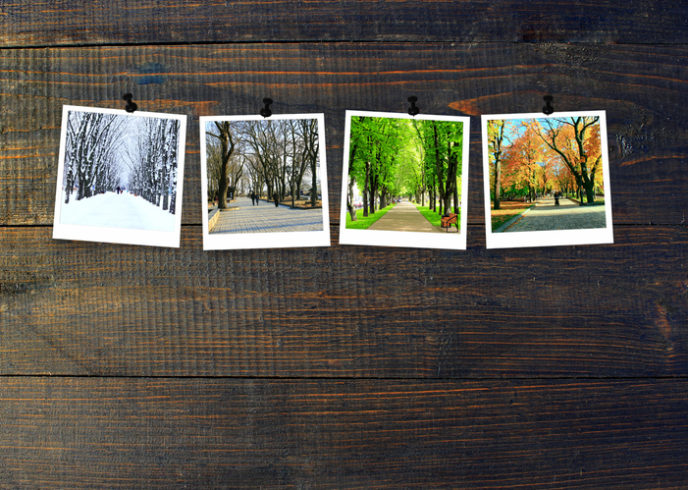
column 545, row 216
column 242, row 217
column 404, row 217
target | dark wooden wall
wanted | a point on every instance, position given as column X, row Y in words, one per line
column 125, row 366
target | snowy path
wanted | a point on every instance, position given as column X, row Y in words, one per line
column 114, row 210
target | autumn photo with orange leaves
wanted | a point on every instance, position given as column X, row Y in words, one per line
column 546, row 173
column 546, row 179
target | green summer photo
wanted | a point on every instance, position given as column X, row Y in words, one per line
column 404, row 174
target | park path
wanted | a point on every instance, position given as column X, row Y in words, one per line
column 242, row 217
column 545, row 216
column 404, row 217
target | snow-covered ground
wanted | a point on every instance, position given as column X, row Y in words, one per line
column 114, row 210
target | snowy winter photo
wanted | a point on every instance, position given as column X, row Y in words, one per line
column 264, row 182
column 546, row 179
column 405, row 180
column 120, row 177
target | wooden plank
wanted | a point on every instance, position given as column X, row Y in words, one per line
column 42, row 23
column 642, row 88
column 289, row 362
column 164, row 433
column 95, row 309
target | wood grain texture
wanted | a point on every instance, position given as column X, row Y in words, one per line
column 346, row 367
column 170, row 433
column 642, row 88
column 41, row 23
column 98, row 309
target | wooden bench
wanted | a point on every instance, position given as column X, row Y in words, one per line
column 449, row 220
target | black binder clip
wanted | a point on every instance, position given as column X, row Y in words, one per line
column 413, row 110
column 131, row 105
column 265, row 111
column 548, row 109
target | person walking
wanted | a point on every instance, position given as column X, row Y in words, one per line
column 253, row 198
column 276, row 198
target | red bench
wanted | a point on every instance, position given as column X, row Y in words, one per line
column 447, row 221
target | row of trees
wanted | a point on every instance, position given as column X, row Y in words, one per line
column 420, row 159
column 93, row 141
column 107, row 151
column 275, row 156
column 535, row 156
column 154, row 177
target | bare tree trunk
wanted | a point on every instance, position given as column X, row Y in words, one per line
column 222, row 185
column 314, row 185
column 165, row 187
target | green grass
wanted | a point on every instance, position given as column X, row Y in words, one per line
column 434, row 217
column 364, row 222
column 498, row 221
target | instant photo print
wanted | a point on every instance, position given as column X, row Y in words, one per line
column 264, row 182
column 405, row 180
column 546, row 179
column 120, row 177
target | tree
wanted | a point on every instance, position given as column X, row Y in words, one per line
column 362, row 138
column 311, row 142
column 495, row 137
column 154, row 172
column 392, row 157
column 92, row 143
column 422, row 172
column 564, row 179
column 576, row 141
column 224, row 135
column 378, row 146
column 523, row 158
column 442, row 159
column 451, row 138
column 352, row 181
column 264, row 155
column 265, row 152
column 295, row 148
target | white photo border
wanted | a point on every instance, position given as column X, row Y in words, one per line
column 129, row 236
column 588, row 236
column 283, row 239
column 453, row 241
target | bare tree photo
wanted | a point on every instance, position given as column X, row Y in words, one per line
column 264, row 176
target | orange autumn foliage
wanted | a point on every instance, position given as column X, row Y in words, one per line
column 553, row 154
